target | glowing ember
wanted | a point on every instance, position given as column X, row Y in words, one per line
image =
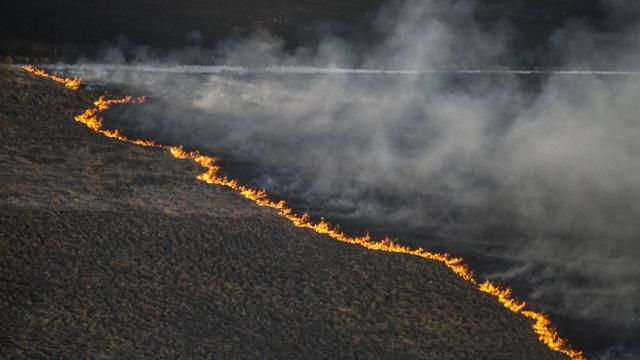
column 542, row 326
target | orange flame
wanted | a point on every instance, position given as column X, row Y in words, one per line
column 73, row 84
column 542, row 326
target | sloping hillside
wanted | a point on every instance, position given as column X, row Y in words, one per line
column 110, row 250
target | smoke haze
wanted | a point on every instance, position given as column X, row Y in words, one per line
column 536, row 176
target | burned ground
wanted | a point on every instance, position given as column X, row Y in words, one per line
column 110, row 250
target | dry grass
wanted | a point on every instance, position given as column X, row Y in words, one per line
column 109, row 250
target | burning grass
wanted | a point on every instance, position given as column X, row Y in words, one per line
column 541, row 324
column 73, row 84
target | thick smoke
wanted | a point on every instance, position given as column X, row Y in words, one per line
column 543, row 172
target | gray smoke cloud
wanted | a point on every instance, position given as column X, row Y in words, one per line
column 543, row 172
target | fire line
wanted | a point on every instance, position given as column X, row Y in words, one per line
column 542, row 326
column 73, row 84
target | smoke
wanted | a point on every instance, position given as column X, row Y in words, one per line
column 541, row 172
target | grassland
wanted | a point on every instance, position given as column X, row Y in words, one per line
column 108, row 250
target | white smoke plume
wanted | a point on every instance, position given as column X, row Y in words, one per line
column 413, row 137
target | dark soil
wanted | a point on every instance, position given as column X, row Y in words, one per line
column 108, row 250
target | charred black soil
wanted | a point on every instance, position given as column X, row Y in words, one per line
column 110, row 250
